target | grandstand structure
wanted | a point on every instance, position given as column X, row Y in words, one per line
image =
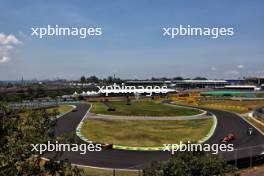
column 194, row 84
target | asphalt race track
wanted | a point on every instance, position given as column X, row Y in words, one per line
column 124, row 159
column 231, row 123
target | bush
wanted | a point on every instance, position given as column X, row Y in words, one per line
column 188, row 164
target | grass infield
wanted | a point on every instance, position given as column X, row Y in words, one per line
column 145, row 133
column 142, row 108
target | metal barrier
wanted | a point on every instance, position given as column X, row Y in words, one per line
column 112, row 172
column 245, row 157
column 259, row 112
column 39, row 104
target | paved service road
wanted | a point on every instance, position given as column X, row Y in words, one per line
column 112, row 158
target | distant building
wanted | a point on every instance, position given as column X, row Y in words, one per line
column 241, row 88
column 255, row 80
column 236, row 81
column 146, row 83
column 194, row 84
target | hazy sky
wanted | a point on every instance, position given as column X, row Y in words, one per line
column 132, row 44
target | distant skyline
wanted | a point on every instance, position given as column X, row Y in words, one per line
column 132, row 45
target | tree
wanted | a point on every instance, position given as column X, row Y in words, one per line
column 16, row 135
column 110, row 79
column 178, row 78
column 199, row 78
column 154, row 79
column 93, row 79
column 188, row 164
column 165, row 79
column 82, row 79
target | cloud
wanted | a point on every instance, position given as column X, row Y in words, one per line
column 231, row 73
column 4, row 59
column 240, row 66
column 8, row 39
column 7, row 45
column 213, row 69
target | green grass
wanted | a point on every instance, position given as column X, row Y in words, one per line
column 142, row 108
column 260, row 95
column 145, row 133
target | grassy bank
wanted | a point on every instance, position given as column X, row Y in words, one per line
column 235, row 106
column 230, row 105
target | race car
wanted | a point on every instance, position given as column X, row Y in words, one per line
column 228, row 138
column 74, row 110
column 250, row 131
column 107, row 146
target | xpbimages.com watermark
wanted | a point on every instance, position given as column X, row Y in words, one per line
column 149, row 90
column 188, row 30
column 58, row 147
column 80, row 32
column 212, row 148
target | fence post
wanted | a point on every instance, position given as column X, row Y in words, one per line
column 236, row 157
column 251, row 157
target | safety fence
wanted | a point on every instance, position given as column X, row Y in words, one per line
column 39, row 104
column 118, row 172
column 245, row 157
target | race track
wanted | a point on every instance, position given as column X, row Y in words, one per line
column 124, row 159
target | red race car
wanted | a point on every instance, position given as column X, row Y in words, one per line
column 107, row 146
column 228, row 138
